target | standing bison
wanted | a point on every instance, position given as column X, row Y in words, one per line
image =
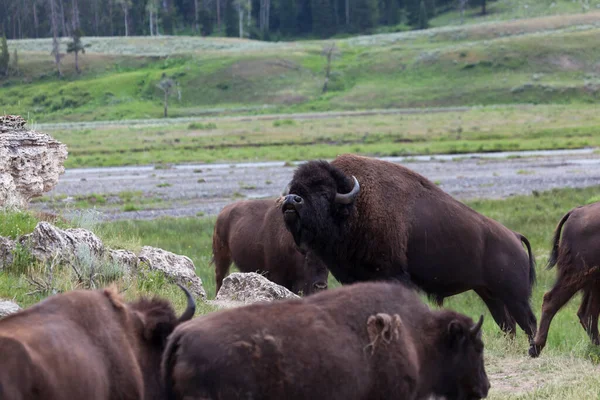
column 360, row 342
column 86, row 345
column 577, row 256
column 369, row 219
column 252, row 234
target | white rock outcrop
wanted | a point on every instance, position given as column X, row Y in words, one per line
column 30, row 162
column 8, row 307
column 176, row 267
column 6, row 251
column 240, row 289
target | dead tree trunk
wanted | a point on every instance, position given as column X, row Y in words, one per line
column 55, row 44
column 75, row 15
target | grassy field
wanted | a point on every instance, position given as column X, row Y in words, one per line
column 544, row 60
column 567, row 369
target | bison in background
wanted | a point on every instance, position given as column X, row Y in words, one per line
column 252, row 234
column 369, row 219
column 86, row 345
column 365, row 341
column 577, row 257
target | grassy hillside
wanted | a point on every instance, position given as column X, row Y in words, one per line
column 566, row 370
column 542, row 60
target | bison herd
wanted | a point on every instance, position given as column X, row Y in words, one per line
column 383, row 231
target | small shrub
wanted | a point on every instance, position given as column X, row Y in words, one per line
column 284, row 122
column 201, row 126
column 130, row 207
column 164, row 184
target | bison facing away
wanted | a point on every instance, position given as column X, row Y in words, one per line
column 363, row 341
column 577, row 257
column 252, row 234
column 86, row 345
column 369, row 219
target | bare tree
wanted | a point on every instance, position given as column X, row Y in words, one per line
column 125, row 6
column 36, row 21
column 65, row 29
column 264, row 15
column 347, row 12
column 242, row 9
column 152, row 8
column 462, row 5
column 330, row 51
column 169, row 86
column 75, row 46
column 74, row 15
column 55, row 44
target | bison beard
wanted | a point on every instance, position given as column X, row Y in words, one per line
column 577, row 257
column 251, row 233
column 370, row 341
column 394, row 224
column 86, row 345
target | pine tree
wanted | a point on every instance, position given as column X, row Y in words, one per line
column 75, row 46
column 231, row 19
column 423, row 18
column 4, row 56
column 364, row 15
column 288, row 17
column 323, row 20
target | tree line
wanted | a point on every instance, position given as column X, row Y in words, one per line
column 257, row 19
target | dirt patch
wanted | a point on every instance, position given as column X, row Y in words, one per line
column 566, row 63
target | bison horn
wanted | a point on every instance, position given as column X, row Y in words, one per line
column 477, row 327
column 348, row 197
column 190, row 310
column 286, row 191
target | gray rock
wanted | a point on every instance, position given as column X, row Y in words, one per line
column 176, row 267
column 47, row 241
column 8, row 307
column 125, row 258
column 30, row 162
column 6, row 251
column 247, row 288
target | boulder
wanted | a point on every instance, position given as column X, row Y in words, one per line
column 179, row 269
column 125, row 258
column 47, row 241
column 6, row 251
column 8, row 307
column 30, row 162
column 240, row 289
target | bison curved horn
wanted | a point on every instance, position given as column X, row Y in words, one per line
column 348, row 197
column 477, row 327
column 286, row 191
column 190, row 310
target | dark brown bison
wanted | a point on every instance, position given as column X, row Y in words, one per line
column 369, row 219
column 252, row 234
column 86, row 345
column 364, row 341
column 577, row 256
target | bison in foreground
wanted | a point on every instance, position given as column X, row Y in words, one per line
column 369, row 219
column 577, row 257
column 86, row 345
column 360, row 342
column 252, row 234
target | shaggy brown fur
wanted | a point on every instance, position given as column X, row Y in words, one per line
column 403, row 227
column 86, row 345
column 251, row 233
column 577, row 257
column 364, row 341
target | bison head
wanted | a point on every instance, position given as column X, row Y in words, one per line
column 317, row 202
column 463, row 376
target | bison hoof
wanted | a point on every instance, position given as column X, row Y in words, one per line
column 534, row 350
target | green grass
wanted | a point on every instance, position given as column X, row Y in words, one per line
column 564, row 371
column 545, row 60
column 481, row 129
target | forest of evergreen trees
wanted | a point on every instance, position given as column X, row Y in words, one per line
column 258, row 19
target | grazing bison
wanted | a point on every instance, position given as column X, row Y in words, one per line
column 86, row 345
column 360, row 342
column 369, row 219
column 577, row 256
column 252, row 234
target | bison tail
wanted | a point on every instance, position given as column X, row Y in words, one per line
column 555, row 241
column 532, row 274
column 168, row 363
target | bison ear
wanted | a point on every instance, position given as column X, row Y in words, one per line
column 155, row 327
column 456, row 333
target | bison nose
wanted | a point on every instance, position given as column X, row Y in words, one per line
column 298, row 199
column 292, row 202
column 320, row 286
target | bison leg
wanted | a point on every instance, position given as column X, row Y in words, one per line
column 222, row 263
column 588, row 313
column 554, row 300
column 504, row 320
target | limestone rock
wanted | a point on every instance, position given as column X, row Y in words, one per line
column 47, row 241
column 30, row 162
column 6, row 251
column 248, row 288
column 176, row 267
column 8, row 307
column 126, row 258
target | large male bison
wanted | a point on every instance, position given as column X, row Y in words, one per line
column 252, row 234
column 369, row 219
column 365, row 341
column 86, row 345
column 577, row 256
